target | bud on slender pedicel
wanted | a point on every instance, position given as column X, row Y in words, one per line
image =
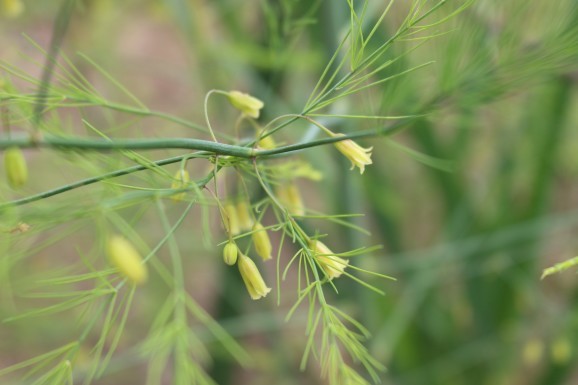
column 230, row 253
column 252, row 278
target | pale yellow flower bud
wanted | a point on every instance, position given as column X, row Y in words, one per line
column 261, row 241
column 290, row 196
column 11, row 8
column 16, row 168
column 231, row 219
column 245, row 103
column 244, row 216
column 180, row 181
column 253, row 281
column 359, row 156
column 230, row 253
column 333, row 265
column 126, row 259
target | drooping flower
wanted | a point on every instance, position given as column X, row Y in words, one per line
column 253, row 281
column 289, row 195
column 305, row 170
column 333, row 265
column 230, row 253
column 245, row 219
column 247, row 104
column 359, row 156
column 16, row 168
column 231, row 219
column 126, row 259
column 261, row 241
column 180, row 180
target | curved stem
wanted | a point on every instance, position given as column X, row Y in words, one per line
column 57, row 142
column 208, row 146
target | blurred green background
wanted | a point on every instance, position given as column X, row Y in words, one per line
column 466, row 245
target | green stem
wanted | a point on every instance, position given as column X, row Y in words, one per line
column 183, row 143
column 51, row 141
column 88, row 181
column 150, row 144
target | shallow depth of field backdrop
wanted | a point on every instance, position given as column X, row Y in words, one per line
column 470, row 202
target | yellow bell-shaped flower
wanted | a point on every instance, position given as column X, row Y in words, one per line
column 359, row 156
column 247, row 104
column 253, row 281
column 333, row 265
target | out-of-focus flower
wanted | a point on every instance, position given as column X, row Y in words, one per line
column 267, row 143
column 126, row 259
column 180, row 180
column 253, row 281
column 561, row 350
column 16, row 168
column 533, row 351
column 305, row 170
column 11, row 8
column 231, row 219
column 333, row 265
column 247, row 104
column 245, row 218
column 20, row 228
column 290, row 197
column 261, row 241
